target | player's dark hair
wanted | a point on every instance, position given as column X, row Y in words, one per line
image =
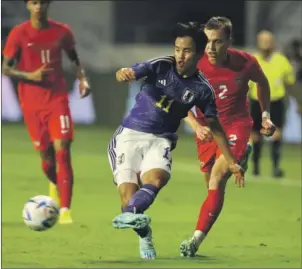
column 43, row 0
column 193, row 30
column 216, row 23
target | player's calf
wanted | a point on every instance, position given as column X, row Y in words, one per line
column 64, row 175
column 48, row 163
column 153, row 180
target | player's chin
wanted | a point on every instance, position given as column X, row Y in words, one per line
column 212, row 60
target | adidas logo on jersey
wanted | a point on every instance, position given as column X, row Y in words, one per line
column 162, row 82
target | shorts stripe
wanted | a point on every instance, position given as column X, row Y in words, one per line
column 111, row 147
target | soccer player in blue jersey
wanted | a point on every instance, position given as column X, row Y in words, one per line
column 140, row 150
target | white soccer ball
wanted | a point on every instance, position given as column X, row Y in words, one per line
column 40, row 213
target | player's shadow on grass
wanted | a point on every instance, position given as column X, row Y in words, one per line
column 159, row 259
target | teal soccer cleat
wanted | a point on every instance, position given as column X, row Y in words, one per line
column 146, row 247
column 131, row 220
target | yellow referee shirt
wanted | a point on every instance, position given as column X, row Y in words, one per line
column 279, row 73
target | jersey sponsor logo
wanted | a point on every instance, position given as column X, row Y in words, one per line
column 188, row 96
column 64, row 131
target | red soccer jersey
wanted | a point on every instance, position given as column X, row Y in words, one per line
column 36, row 47
column 230, row 83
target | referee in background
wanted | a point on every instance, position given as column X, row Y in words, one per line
column 281, row 77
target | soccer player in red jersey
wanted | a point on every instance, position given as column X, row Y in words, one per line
column 36, row 45
column 228, row 71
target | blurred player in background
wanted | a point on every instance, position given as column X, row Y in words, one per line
column 228, row 71
column 140, row 150
column 294, row 54
column 281, row 79
column 36, row 45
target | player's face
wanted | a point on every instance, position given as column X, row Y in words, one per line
column 38, row 8
column 265, row 42
column 217, row 45
column 185, row 55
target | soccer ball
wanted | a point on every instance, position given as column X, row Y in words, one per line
column 40, row 213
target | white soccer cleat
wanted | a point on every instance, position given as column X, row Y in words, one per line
column 188, row 248
column 146, row 247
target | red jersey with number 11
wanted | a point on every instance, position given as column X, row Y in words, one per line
column 230, row 83
column 34, row 48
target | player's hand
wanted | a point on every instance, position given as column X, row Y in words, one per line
column 204, row 133
column 268, row 128
column 40, row 74
column 125, row 75
column 84, row 87
column 238, row 172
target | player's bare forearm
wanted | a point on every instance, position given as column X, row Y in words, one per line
column 10, row 70
column 191, row 121
column 221, row 139
column 264, row 94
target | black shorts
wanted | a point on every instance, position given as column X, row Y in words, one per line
column 277, row 111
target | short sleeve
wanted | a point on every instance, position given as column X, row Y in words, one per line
column 142, row 69
column 256, row 72
column 206, row 102
column 13, row 44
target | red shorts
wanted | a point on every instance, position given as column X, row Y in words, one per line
column 238, row 134
column 45, row 126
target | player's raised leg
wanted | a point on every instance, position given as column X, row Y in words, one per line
column 125, row 160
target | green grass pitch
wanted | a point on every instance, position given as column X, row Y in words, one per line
column 260, row 226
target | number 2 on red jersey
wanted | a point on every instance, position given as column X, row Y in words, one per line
column 223, row 91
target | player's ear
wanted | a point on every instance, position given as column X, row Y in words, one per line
column 28, row 5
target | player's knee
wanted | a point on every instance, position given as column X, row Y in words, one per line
column 277, row 135
column 157, row 177
column 61, row 144
column 207, row 176
column 218, row 173
column 126, row 191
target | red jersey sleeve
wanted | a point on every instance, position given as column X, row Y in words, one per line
column 69, row 41
column 13, row 44
column 256, row 73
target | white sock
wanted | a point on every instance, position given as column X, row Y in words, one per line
column 199, row 237
column 63, row 209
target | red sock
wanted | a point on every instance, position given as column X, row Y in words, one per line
column 49, row 169
column 64, row 177
column 210, row 210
